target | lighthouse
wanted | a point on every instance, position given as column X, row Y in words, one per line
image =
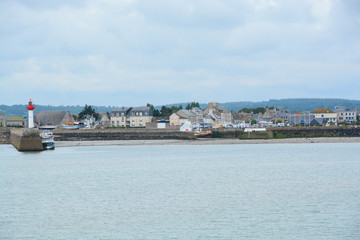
column 31, row 108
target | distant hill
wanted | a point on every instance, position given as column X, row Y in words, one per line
column 20, row 110
column 296, row 104
column 291, row 104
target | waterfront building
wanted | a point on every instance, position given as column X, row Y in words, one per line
column 105, row 119
column 306, row 119
column 16, row 121
column 328, row 115
column 53, row 118
column 182, row 116
column 131, row 117
column 199, row 114
column 2, row 119
column 273, row 115
column 344, row 114
column 220, row 114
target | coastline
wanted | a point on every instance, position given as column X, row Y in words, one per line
column 207, row 141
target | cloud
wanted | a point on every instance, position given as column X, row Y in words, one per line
column 179, row 50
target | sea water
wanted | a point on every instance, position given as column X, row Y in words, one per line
column 261, row 191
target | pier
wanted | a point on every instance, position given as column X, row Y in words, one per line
column 26, row 139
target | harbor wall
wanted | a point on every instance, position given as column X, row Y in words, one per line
column 26, row 139
column 240, row 134
column 313, row 132
column 5, row 135
column 153, row 134
column 120, row 134
column 289, row 132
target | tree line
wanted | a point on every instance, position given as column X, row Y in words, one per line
column 167, row 111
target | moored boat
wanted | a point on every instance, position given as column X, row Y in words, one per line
column 70, row 127
column 203, row 134
column 47, row 140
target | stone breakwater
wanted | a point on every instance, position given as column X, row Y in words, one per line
column 5, row 135
column 26, row 139
column 305, row 132
column 120, row 134
column 165, row 134
column 289, row 132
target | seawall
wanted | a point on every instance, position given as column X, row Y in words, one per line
column 5, row 135
column 314, row 132
column 26, row 139
column 163, row 134
column 289, row 132
column 120, row 134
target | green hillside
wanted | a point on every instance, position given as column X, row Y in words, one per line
column 296, row 104
column 292, row 104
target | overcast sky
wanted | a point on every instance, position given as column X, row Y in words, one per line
column 133, row 52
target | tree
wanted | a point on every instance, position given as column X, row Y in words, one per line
column 192, row 105
column 156, row 112
column 253, row 121
column 90, row 111
column 278, row 121
column 167, row 111
column 254, row 110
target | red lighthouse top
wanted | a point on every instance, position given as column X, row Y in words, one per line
column 30, row 106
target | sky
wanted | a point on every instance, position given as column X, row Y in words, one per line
column 134, row 52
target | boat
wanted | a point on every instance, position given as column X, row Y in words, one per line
column 47, row 127
column 70, row 127
column 47, row 140
column 203, row 134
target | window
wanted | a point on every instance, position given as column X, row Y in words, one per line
column 140, row 113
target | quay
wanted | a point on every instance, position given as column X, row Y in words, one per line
column 26, row 139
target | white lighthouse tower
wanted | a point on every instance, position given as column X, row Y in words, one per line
column 31, row 108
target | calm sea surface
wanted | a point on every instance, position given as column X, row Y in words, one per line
column 280, row 191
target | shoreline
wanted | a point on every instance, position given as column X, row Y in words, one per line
column 206, row 141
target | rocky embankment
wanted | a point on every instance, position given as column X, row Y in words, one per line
column 315, row 132
column 166, row 134
column 120, row 134
column 289, row 132
column 5, row 135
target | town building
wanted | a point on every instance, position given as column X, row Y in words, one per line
column 2, row 119
column 199, row 114
column 131, row 117
column 16, row 121
column 328, row 115
column 344, row 114
column 105, row 119
column 274, row 115
column 220, row 114
column 306, row 119
column 53, row 118
column 182, row 116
